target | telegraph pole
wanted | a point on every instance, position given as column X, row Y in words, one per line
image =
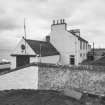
column 40, row 52
column 93, row 50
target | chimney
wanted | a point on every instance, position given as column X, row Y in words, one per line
column 48, row 38
column 61, row 21
column 57, row 21
column 59, row 25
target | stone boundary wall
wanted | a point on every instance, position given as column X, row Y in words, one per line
column 65, row 77
column 58, row 77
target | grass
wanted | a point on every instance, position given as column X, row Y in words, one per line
column 46, row 97
column 35, row 97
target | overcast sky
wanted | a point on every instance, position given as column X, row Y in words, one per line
column 88, row 15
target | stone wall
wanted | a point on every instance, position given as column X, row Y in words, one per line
column 60, row 78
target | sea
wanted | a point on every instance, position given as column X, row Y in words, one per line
column 5, row 54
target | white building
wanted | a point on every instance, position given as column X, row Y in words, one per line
column 72, row 47
column 61, row 46
column 28, row 51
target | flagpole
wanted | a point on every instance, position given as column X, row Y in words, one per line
column 25, row 34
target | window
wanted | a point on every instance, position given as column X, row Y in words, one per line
column 84, row 55
column 72, row 60
column 83, row 45
column 80, row 44
column 86, row 45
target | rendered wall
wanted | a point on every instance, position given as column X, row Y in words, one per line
column 19, row 51
column 59, row 78
column 82, row 51
column 60, row 39
column 34, row 59
column 26, row 78
column 67, row 44
column 48, row 59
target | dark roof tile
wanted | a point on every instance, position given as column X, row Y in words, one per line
column 78, row 36
column 42, row 48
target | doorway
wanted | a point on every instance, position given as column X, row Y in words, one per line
column 22, row 60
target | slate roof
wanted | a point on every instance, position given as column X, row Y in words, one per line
column 79, row 37
column 42, row 48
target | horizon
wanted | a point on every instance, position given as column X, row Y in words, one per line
column 86, row 15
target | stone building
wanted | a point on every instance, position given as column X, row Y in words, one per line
column 62, row 46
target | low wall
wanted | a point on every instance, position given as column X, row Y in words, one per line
column 24, row 78
column 60, row 78
column 50, row 76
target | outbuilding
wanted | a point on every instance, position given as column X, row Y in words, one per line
column 28, row 51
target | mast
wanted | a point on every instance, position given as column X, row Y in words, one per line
column 25, row 34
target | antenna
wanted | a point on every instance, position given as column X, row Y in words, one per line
column 25, row 33
column 24, row 28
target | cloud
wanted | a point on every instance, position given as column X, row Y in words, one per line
column 88, row 15
column 8, row 24
column 90, row 18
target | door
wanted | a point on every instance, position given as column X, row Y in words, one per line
column 22, row 60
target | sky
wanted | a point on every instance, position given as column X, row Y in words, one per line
column 86, row 15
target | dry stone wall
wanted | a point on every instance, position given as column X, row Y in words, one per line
column 60, row 78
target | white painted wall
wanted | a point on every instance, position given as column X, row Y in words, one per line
column 47, row 59
column 33, row 59
column 64, row 42
column 50, row 59
column 26, row 78
column 67, row 44
column 18, row 49
column 82, row 51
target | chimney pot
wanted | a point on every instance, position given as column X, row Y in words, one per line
column 57, row 21
column 53, row 22
column 48, row 38
column 61, row 21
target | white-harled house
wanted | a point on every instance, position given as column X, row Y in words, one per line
column 72, row 47
column 62, row 46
